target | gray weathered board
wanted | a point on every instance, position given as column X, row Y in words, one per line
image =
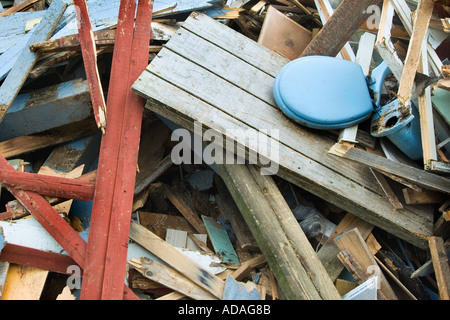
column 211, row 74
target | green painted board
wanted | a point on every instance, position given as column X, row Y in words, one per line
column 220, row 240
column 441, row 102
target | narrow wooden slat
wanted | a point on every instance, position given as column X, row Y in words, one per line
column 25, row 62
column 420, row 177
column 421, row 23
column 89, row 52
column 441, row 267
column 18, row 7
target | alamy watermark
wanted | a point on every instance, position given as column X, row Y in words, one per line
column 234, row 146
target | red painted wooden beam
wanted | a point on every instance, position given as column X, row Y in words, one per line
column 55, row 225
column 94, row 267
column 89, row 53
column 115, row 265
column 55, row 262
column 60, row 187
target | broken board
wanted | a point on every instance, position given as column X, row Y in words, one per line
column 212, row 75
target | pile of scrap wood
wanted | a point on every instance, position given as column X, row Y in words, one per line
column 144, row 157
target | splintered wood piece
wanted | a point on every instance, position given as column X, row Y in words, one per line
column 328, row 252
column 354, row 244
column 177, row 260
column 170, row 278
column 89, row 52
column 441, row 267
column 26, row 60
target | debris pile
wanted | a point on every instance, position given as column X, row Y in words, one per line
column 224, row 150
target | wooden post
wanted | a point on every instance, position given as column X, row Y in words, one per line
column 287, row 250
column 89, row 52
column 346, row 19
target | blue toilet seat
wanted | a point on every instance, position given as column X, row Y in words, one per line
column 323, row 92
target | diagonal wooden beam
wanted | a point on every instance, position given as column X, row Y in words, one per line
column 89, row 53
column 48, row 185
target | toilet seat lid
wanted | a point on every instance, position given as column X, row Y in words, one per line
column 323, row 92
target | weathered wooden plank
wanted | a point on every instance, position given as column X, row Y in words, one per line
column 177, row 260
column 18, row 7
column 115, row 264
column 292, row 276
column 41, row 110
column 30, row 257
column 420, row 177
column 329, row 250
column 170, row 278
column 48, row 185
column 89, row 53
column 18, row 74
column 92, row 286
column 345, row 20
column 421, row 23
column 441, row 267
column 353, row 242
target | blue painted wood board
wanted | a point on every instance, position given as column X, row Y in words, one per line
column 236, row 291
column 220, row 240
column 27, row 59
column 47, row 108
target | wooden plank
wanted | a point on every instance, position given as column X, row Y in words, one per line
column 177, row 260
column 220, row 240
column 48, row 185
column 329, row 250
column 181, row 202
column 441, row 267
column 158, row 223
column 52, row 137
column 89, row 52
column 19, row 7
column 421, row 23
column 424, row 197
column 292, row 271
column 353, row 242
column 30, row 257
column 346, row 19
column 92, row 286
column 247, row 266
column 170, row 278
column 24, row 283
column 18, row 74
column 390, row 194
column 30, row 112
column 420, row 177
column 115, row 264
column 384, row 44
